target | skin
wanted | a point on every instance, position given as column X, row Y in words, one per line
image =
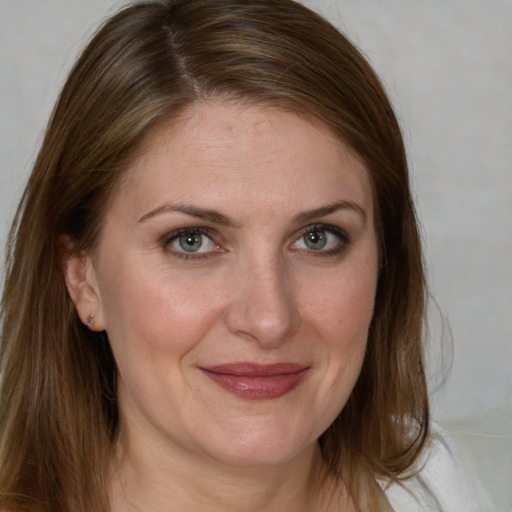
column 255, row 292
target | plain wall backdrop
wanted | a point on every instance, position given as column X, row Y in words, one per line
column 447, row 66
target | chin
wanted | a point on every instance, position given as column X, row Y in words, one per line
column 261, row 448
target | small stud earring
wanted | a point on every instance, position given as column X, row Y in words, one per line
column 90, row 322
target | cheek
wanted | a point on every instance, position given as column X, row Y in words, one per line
column 342, row 314
column 343, row 307
column 157, row 310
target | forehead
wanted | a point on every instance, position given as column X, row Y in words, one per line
column 267, row 155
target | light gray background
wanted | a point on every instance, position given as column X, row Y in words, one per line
column 447, row 66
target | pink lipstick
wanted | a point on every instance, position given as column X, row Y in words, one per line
column 256, row 381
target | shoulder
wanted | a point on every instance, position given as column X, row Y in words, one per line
column 441, row 483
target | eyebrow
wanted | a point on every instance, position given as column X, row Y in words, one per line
column 193, row 211
column 328, row 209
column 218, row 218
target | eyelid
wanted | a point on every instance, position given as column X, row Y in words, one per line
column 207, row 232
column 345, row 239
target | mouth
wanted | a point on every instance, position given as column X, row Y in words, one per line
column 255, row 381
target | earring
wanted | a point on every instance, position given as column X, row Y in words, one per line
column 90, row 322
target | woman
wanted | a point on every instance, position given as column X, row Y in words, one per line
column 214, row 295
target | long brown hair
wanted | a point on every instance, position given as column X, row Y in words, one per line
column 58, row 409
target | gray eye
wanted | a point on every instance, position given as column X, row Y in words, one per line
column 321, row 240
column 190, row 242
column 315, row 240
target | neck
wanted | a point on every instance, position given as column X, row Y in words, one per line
column 150, row 479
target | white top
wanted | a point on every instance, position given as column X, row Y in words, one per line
column 442, row 484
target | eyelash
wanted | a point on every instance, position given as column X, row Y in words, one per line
column 343, row 244
column 169, row 238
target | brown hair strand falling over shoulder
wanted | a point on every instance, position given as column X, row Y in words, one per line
column 58, row 411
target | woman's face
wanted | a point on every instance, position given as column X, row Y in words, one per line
column 235, row 277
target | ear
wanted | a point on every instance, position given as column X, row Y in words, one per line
column 82, row 285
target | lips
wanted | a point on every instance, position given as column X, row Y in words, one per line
column 257, row 382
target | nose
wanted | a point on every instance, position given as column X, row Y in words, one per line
column 263, row 306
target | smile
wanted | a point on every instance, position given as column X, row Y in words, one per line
column 257, row 382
